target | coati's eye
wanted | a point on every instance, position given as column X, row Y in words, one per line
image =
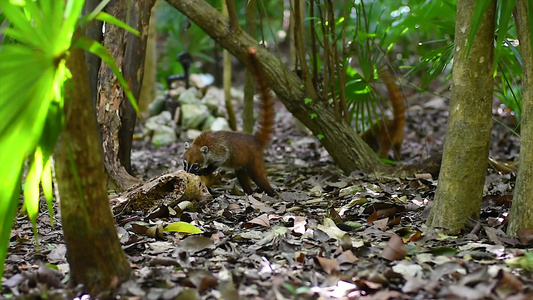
column 191, row 168
column 195, row 168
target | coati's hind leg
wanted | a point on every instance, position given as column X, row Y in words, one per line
column 258, row 176
column 244, row 180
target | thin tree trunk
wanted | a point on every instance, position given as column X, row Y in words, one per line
column 115, row 113
column 249, row 91
column 521, row 215
column 148, row 89
column 94, row 31
column 226, row 58
column 95, row 256
column 466, row 149
column 340, row 140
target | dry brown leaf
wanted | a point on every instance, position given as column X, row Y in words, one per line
column 262, row 220
column 415, row 236
column 346, row 257
column 395, row 249
column 202, row 279
column 395, row 221
column 300, row 257
column 195, row 243
column 426, row 176
column 328, row 265
column 156, row 231
column 373, row 217
column 381, row 224
column 525, row 236
column 509, row 282
column 140, row 229
column 299, row 224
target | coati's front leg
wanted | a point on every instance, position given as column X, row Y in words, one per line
column 207, row 171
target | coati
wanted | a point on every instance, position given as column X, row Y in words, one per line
column 240, row 151
column 386, row 134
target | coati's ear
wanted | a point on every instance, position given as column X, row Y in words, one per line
column 187, row 145
column 204, row 149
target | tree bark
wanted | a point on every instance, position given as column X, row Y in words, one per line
column 464, row 162
column 94, row 31
column 521, row 215
column 340, row 140
column 94, row 253
column 116, row 115
column 148, row 89
column 249, row 82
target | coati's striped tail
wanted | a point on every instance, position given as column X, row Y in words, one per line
column 266, row 111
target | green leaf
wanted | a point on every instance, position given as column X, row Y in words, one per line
column 31, row 186
column 442, row 251
column 182, row 227
column 46, row 183
column 105, row 17
column 22, row 30
column 479, row 10
column 525, row 261
column 8, row 207
column 31, row 100
column 97, row 49
column 92, row 15
column 506, row 12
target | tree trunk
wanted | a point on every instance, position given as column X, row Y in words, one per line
column 148, row 89
column 116, row 115
column 94, row 31
column 340, row 140
column 95, row 256
column 249, row 83
column 521, row 215
column 464, row 162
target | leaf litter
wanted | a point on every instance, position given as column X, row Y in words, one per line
column 327, row 235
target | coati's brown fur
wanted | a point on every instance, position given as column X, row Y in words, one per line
column 387, row 134
column 240, row 151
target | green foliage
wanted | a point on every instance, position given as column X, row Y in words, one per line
column 33, row 73
column 413, row 35
column 179, row 35
column 524, row 262
column 31, row 100
column 386, row 34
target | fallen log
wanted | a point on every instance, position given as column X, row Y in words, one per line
column 168, row 189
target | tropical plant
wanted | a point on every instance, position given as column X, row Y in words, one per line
column 34, row 73
column 179, row 35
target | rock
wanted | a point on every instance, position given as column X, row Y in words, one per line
column 176, row 92
column 189, row 97
column 161, row 128
column 201, row 81
column 219, row 124
column 164, row 135
column 237, row 94
column 163, row 118
column 157, row 105
column 214, row 99
column 191, row 134
column 192, row 115
column 206, row 125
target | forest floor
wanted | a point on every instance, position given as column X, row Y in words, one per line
column 328, row 235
